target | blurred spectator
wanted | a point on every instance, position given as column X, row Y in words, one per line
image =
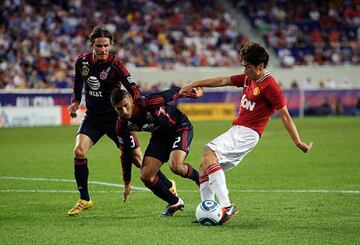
column 338, row 107
column 322, row 84
column 357, row 106
column 330, row 83
column 39, row 40
column 308, row 84
column 321, row 32
column 294, row 84
column 325, row 108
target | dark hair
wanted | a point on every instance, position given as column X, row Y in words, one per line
column 100, row 31
column 117, row 95
column 254, row 54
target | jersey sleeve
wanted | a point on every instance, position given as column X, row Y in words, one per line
column 162, row 98
column 125, row 78
column 238, row 80
column 274, row 95
column 78, row 83
column 128, row 142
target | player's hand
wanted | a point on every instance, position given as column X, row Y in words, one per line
column 304, row 147
column 198, row 91
column 126, row 192
column 186, row 90
column 72, row 109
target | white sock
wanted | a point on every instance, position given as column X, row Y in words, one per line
column 206, row 192
column 217, row 183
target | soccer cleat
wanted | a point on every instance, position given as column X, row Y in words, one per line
column 228, row 214
column 80, row 206
column 171, row 209
column 172, row 189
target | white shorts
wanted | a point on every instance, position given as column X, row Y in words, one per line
column 232, row 146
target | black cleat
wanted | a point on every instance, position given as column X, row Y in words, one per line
column 228, row 214
column 171, row 209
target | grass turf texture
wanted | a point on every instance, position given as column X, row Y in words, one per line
column 264, row 217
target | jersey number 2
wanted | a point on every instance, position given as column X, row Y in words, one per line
column 177, row 140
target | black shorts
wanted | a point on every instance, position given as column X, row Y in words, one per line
column 95, row 128
column 162, row 144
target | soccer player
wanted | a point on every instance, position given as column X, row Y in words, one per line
column 99, row 72
column 261, row 97
column 172, row 133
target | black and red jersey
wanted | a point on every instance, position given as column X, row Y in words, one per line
column 155, row 114
column 100, row 78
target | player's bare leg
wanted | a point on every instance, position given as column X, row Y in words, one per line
column 81, row 172
column 137, row 157
column 177, row 166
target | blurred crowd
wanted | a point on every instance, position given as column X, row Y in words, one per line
column 40, row 40
column 308, row 32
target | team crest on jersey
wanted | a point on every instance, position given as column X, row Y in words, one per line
column 104, row 74
column 85, row 71
column 256, row 91
column 130, row 80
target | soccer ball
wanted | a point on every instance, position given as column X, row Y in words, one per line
column 208, row 212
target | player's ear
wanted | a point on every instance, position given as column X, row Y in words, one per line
column 130, row 98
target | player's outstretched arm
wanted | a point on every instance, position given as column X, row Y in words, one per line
column 211, row 82
column 292, row 130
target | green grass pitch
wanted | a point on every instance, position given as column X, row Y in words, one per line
column 283, row 195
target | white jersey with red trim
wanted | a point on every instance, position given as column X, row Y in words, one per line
column 259, row 101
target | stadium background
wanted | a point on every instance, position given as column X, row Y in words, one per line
column 315, row 56
column 314, row 50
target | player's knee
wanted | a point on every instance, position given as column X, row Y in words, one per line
column 79, row 152
column 146, row 178
column 208, row 158
column 177, row 167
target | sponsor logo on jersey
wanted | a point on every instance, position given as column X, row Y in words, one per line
column 104, row 73
column 93, row 83
column 85, row 71
column 149, row 127
column 247, row 104
column 256, row 91
column 130, row 80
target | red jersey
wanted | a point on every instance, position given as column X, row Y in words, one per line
column 259, row 101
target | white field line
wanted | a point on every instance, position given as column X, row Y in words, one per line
column 145, row 189
column 71, row 181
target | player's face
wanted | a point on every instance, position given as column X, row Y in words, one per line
column 125, row 108
column 253, row 72
column 101, row 47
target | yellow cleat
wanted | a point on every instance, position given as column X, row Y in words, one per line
column 80, row 206
column 172, row 189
